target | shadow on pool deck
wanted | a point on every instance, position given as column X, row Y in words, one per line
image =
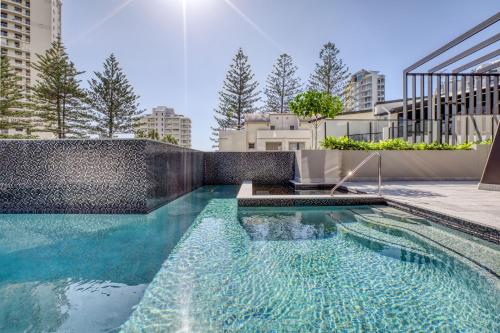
column 459, row 199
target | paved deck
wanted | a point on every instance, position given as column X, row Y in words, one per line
column 459, row 199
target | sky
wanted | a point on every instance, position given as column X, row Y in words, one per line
column 176, row 52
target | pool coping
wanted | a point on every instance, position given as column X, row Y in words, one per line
column 246, row 198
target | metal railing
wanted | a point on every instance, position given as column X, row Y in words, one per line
column 359, row 166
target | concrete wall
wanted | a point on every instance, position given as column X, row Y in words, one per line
column 94, row 176
column 260, row 167
column 329, row 166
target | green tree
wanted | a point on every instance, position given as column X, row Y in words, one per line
column 238, row 95
column 282, row 85
column 13, row 106
column 140, row 133
column 169, row 138
column 315, row 105
column 112, row 100
column 330, row 74
column 153, row 135
column 57, row 95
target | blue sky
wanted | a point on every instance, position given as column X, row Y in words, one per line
column 147, row 37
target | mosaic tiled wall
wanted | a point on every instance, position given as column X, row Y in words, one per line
column 94, row 176
column 259, row 167
column 120, row 176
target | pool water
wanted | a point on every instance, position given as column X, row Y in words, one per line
column 321, row 269
column 86, row 273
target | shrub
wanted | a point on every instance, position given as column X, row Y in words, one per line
column 345, row 143
column 17, row 136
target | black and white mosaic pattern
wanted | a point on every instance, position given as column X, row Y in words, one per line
column 259, row 167
column 94, row 176
column 292, row 202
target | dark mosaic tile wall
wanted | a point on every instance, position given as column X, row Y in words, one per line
column 259, row 167
column 120, row 176
column 171, row 172
column 94, row 176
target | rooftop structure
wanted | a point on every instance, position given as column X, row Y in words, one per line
column 273, row 131
column 450, row 88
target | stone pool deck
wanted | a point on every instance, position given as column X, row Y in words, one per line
column 458, row 199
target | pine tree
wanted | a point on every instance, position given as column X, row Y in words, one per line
column 282, row 85
column 113, row 101
column 13, row 111
column 57, row 95
column 330, row 74
column 238, row 95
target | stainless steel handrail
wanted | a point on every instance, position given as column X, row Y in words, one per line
column 363, row 162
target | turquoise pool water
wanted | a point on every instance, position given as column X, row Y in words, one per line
column 321, row 269
column 86, row 273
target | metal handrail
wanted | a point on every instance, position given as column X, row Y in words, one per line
column 363, row 162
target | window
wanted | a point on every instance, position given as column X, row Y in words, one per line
column 273, row 145
column 296, row 145
column 273, row 127
column 251, row 146
column 292, row 127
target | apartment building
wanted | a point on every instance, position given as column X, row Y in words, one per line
column 165, row 121
column 28, row 28
column 364, row 90
column 274, row 131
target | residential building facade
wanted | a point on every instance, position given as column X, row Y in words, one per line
column 165, row 121
column 28, row 28
column 273, row 131
column 364, row 90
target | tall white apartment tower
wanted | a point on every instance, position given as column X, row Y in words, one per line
column 364, row 90
column 165, row 121
column 28, row 27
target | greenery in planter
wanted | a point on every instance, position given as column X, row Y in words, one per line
column 345, row 143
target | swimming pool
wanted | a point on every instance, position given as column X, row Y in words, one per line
column 202, row 264
column 321, row 269
column 86, row 273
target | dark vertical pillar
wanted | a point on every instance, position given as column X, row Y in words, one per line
column 496, row 106
column 466, row 129
column 488, row 96
column 422, row 108
column 454, row 93
column 439, row 133
column 405, row 106
column 414, row 104
column 447, row 108
column 479, row 95
column 430, row 108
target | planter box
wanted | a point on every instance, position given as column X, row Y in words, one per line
column 329, row 166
